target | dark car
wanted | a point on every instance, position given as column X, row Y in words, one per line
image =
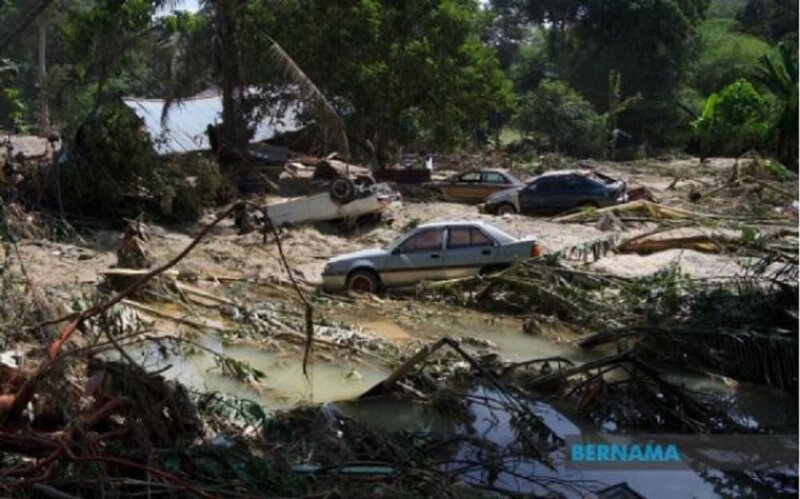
column 476, row 186
column 554, row 192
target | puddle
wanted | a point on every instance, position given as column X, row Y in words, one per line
column 284, row 384
column 398, row 323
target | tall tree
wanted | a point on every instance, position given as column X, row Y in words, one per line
column 770, row 19
column 403, row 73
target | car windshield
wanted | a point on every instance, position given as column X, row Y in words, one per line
column 397, row 240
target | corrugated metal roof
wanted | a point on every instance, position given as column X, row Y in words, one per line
column 185, row 128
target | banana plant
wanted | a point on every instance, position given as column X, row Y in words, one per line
column 779, row 76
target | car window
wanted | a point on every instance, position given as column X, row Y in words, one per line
column 574, row 183
column 428, row 240
column 470, row 177
column 546, row 185
column 494, row 178
column 467, row 237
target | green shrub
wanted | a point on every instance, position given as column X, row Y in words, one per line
column 566, row 120
column 108, row 165
column 778, row 171
column 195, row 182
column 112, row 171
column 733, row 121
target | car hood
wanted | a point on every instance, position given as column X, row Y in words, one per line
column 368, row 253
column 504, row 194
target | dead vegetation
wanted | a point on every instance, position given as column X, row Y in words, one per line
column 82, row 418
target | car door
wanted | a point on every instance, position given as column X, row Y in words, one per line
column 537, row 196
column 420, row 257
column 469, row 249
column 586, row 190
column 492, row 182
column 464, row 187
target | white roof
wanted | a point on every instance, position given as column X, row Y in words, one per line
column 185, row 128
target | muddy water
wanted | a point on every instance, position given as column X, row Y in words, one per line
column 283, row 385
column 337, row 380
column 527, row 475
column 418, row 321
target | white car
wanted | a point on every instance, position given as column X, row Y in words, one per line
column 430, row 252
column 371, row 200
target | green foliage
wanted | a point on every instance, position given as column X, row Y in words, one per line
column 414, row 73
column 191, row 184
column 12, row 101
column 778, row 171
column 110, row 161
column 780, row 77
column 770, row 19
column 660, row 296
column 531, row 65
column 559, row 114
column 112, row 171
column 724, row 8
column 726, row 55
column 650, row 43
column 734, row 120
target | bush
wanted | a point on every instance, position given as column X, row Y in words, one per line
column 559, row 114
column 108, row 164
column 733, row 121
column 195, row 182
column 113, row 172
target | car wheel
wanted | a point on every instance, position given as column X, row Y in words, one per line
column 588, row 204
column 343, row 190
column 363, row 281
column 506, row 209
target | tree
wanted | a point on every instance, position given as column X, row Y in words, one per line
column 733, row 121
column 402, row 73
column 557, row 113
column 780, row 77
column 726, row 55
column 650, row 43
column 770, row 19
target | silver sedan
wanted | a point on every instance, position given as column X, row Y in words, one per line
column 430, row 252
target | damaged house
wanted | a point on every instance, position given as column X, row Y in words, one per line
column 189, row 125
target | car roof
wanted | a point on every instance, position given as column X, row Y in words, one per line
column 497, row 233
column 453, row 223
column 554, row 173
column 485, row 170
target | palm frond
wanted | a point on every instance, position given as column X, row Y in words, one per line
column 182, row 56
column 328, row 118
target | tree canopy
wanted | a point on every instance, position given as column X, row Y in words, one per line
column 403, row 73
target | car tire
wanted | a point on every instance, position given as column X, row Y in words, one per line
column 363, row 281
column 588, row 204
column 342, row 190
column 506, row 209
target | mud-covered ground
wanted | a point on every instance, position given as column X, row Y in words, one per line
column 224, row 254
